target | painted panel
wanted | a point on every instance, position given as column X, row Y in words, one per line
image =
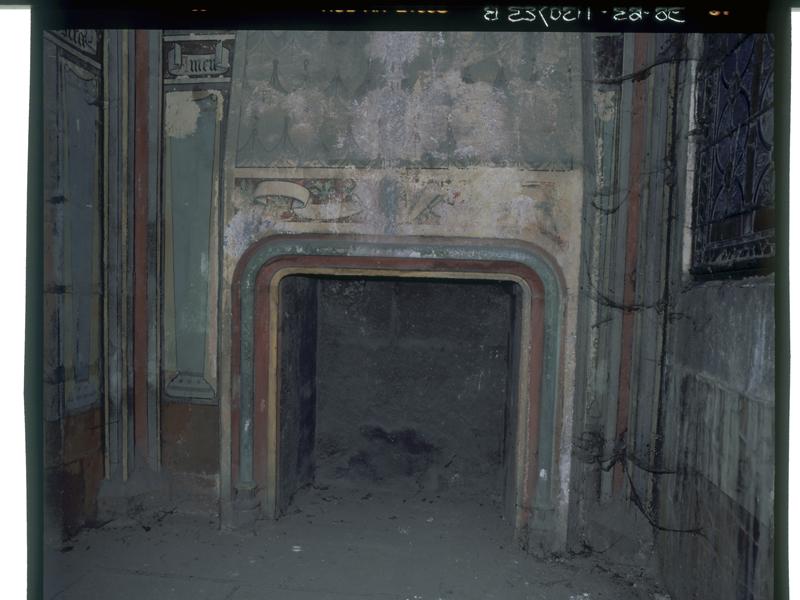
column 88, row 43
column 73, row 278
column 191, row 162
column 186, row 59
column 79, row 172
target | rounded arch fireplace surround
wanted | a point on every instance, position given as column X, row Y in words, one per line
column 250, row 466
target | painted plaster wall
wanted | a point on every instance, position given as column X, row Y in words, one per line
column 404, row 98
column 396, row 133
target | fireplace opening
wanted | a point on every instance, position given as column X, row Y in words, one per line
column 400, row 391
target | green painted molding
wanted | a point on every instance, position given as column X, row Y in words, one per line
column 414, row 247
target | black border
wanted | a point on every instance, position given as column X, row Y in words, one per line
column 466, row 15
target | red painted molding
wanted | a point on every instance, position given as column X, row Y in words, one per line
column 634, row 196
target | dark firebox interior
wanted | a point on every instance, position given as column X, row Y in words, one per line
column 404, row 386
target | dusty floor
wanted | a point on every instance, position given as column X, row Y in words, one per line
column 335, row 544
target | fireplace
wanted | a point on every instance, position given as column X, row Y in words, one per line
column 299, row 416
column 398, row 387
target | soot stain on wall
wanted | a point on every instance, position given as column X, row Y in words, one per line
column 400, row 384
column 413, row 381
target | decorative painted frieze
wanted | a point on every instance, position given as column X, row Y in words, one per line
column 484, row 202
column 87, row 41
column 187, row 59
column 405, row 99
column 296, row 200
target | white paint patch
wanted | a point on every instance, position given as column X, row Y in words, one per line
column 604, row 104
column 180, row 114
column 246, row 226
column 479, row 116
column 520, row 209
column 305, row 116
column 466, row 152
column 378, row 125
column 394, row 47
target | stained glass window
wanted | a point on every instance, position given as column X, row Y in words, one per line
column 733, row 224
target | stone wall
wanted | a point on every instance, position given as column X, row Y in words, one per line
column 413, row 384
column 719, row 420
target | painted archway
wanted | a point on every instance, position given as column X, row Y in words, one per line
column 254, row 410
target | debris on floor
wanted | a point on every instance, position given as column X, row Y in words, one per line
column 352, row 551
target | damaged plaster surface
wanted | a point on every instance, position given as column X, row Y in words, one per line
column 485, row 202
column 401, row 98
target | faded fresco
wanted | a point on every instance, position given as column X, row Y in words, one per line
column 405, row 99
column 406, row 133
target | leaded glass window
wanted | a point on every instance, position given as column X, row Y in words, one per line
column 733, row 225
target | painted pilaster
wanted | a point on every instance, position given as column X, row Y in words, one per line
column 195, row 88
column 638, row 141
column 608, row 97
column 141, row 164
column 115, row 250
column 154, row 244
